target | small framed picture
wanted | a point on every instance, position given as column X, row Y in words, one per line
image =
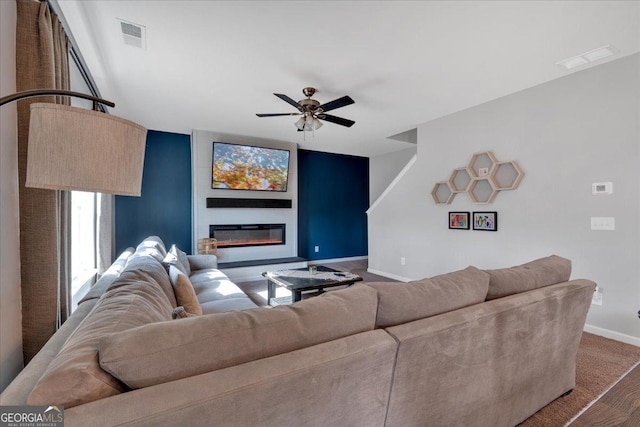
column 459, row 220
column 485, row 221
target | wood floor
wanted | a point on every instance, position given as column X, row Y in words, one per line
column 620, row 406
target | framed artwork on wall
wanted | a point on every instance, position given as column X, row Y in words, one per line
column 459, row 220
column 485, row 221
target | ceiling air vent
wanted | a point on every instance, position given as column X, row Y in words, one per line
column 133, row 34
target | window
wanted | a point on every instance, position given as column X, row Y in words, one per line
column 83, row 244
column 84, row 214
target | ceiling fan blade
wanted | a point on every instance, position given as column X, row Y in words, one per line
column 337, row 103
column 277, row 114
column 288, row 100
column 337, row 120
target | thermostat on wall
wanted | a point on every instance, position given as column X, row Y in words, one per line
column 600, row 188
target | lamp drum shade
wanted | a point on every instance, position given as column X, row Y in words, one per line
column 77, row 149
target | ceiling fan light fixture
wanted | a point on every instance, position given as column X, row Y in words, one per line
column 310, row 124
column 300, row 124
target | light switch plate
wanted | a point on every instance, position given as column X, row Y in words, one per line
column 603, row 223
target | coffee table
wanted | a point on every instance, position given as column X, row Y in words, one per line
column 300, row 279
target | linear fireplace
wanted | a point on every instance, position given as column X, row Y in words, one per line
column 241, row 235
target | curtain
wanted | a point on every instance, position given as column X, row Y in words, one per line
column 42, row 62
column 104, row 234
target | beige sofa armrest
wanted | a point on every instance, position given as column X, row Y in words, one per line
column 201, row 262
column 17, row 392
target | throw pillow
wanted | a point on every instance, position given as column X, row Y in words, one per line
column 526, row 277
column 185, row 294
column 404, row 302
column 159, row 353
column 182, row 257
column 178, row 258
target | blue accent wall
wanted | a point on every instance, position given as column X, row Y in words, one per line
column 164, row 209
column 333, row 196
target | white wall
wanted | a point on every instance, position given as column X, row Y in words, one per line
column 10, row 303
column 565, row 134
column 201, row 153
column 383, row 170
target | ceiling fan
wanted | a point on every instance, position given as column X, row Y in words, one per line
column 312, row 111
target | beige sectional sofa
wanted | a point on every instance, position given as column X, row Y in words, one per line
column 472, row 348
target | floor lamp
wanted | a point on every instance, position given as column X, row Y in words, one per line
column 77, row 149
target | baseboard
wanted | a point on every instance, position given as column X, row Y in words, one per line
column 389, row 275
column 327, row 261
column 612, row 335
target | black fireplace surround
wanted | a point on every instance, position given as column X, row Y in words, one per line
column 243, row 235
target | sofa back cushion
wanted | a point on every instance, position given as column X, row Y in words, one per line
column 526, row 277
column 145, row 268
column 153, row 246
column 167, row 351
column 108, row 277
column 404, row 302
column 74, row 376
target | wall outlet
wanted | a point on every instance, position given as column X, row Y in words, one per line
column 597, row 296
column 317, row 249
column 403, row 261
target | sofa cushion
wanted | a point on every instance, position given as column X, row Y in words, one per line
column 404, row 302
column 218, row 294
column 154, row 246
column 178, row 258
column 108, row 277
column 185, row 294
column 74, row 376
column 526, row 277
column 228, row 304
column 212, row 285
column 167, row 351
column 146, row 268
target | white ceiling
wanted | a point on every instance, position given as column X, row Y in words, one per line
column 212, row 65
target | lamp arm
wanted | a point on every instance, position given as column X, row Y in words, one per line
column 45, row 92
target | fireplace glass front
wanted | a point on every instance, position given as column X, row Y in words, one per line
column 241, row 235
